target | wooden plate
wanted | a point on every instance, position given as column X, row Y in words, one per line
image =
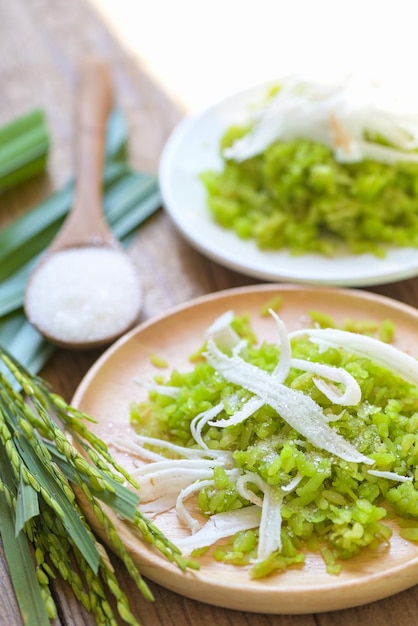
column 108, row 389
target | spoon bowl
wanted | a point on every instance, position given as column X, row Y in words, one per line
column 85, row 292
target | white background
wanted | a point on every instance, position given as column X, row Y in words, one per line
column 201, row 50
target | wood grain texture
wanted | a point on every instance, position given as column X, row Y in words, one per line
column 41, row 45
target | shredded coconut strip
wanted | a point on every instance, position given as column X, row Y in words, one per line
column 176, row 465
column 269, row 539
column 384, row 354
column 282, row 369
column 136, row 445
column 222, row 332
column 197, row 424
column 291, row 486
column 247, row 493
column 133, row 447
column 352, row 393
column 182, row 513
column 390, row 476
column 171, row 476
column 248, row 408
column 219, row 526
column 169, row 482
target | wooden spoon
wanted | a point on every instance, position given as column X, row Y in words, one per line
column 85, row 291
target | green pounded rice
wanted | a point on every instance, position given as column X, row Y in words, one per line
column 338, row 508
column 296, row 196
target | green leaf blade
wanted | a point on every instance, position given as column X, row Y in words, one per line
column 19, row 560
column 27, row 505
column 69, row 517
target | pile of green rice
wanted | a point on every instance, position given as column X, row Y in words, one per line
column 296, row 196
column 338, row 508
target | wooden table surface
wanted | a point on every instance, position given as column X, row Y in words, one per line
column 41, row 45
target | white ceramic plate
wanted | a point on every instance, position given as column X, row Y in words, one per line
column 108, row 390
column 194, row 147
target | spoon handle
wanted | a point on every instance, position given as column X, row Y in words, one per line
column 86, row 223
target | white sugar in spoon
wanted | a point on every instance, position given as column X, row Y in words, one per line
column 85, row 291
